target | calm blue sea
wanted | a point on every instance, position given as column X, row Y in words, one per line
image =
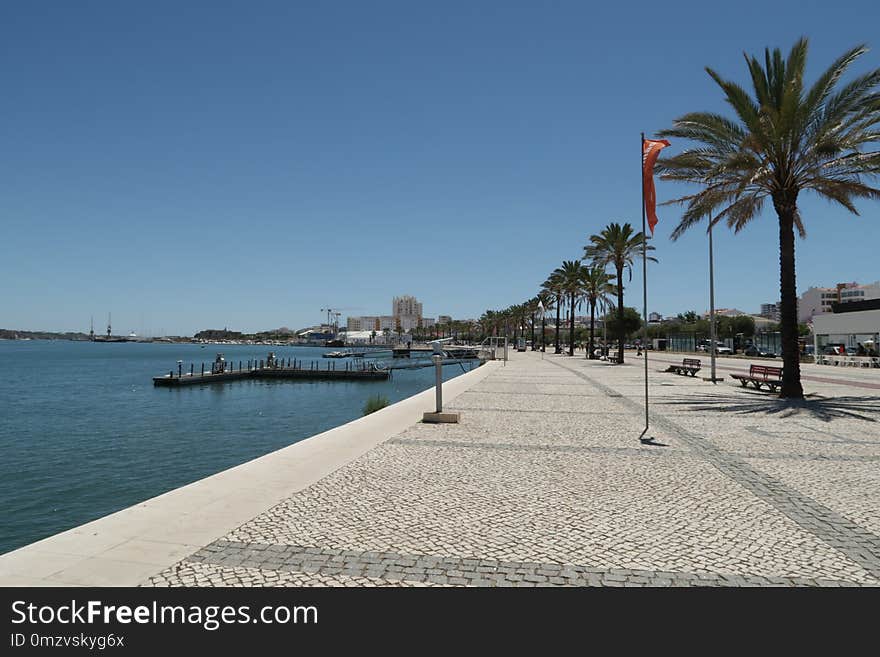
column 83, row 432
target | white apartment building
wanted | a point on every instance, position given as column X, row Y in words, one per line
column 406, row 306
column 407, row 312
column 818, row 300
column 371, row 323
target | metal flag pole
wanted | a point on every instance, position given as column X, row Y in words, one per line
column 713, row 334
column 644, row 287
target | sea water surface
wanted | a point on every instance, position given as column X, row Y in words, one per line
column 84, row 433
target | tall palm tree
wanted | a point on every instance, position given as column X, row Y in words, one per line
column 553, row 285
column 532, row 308
column 522, row 311
column 598, row 288
column 571, row 272
column 617, row 245
column 548, row 299
column 785, row 140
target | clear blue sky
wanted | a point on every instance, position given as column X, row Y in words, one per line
column 193, row 165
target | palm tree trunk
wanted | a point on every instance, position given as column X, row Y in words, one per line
column 558, row 349
column 533, row 331
column 592, row 323
column 620, row 328
column 791, row 373
column 571, row 327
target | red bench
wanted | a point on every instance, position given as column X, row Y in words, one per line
column 761, row 375
column 688, row 366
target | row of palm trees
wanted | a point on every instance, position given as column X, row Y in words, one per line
column 784, row 139
column 573, row 283
column 615, row 246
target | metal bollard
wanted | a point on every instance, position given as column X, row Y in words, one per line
column 438, row 370
column 203, row 369
column 439, row 415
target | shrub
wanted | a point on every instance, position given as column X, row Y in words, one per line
column 375, row 403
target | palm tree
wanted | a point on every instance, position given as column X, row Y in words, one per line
column 521, row 311
column 489, row 323
column 548, row 299
column 785, row 140
column 553, row 285
column 617, row 245
column 531, row 307
column 598, row 288
column 571, row 274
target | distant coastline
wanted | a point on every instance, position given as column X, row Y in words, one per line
column 258, row 339
column 9, row 334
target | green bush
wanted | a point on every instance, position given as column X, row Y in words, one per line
column 375, row 403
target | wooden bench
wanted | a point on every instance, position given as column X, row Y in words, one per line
column 761, row 375
column 612, row 358
column 688, row 366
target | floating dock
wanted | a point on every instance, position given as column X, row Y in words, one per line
column 222, row 371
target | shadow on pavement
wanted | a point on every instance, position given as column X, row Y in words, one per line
column 816, row 406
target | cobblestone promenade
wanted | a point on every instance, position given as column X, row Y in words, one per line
column 545, row 482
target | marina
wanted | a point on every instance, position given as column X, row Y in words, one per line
column 272, row 367
column 222, row 371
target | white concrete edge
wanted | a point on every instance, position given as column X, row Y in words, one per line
column 126, row 547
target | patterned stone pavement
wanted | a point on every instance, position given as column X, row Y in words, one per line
column 544, row 482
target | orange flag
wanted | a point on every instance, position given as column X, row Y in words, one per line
column 650, row 150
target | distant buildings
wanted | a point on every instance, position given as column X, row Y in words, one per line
column 376, row 323
column 406, row 315
column 770, row 311
column 818, row 300
column 725, row 312
column 654, row 318
column 406, row 306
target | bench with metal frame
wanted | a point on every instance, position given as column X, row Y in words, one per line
column 761, row 375
column 688, row 366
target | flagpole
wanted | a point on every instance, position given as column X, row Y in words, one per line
column 644, row 281
column 713, row 326
column 712, row 336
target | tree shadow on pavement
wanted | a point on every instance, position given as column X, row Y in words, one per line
column 819, row 407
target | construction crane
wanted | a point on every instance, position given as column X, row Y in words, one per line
column 334, row 312
column 329, row 311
